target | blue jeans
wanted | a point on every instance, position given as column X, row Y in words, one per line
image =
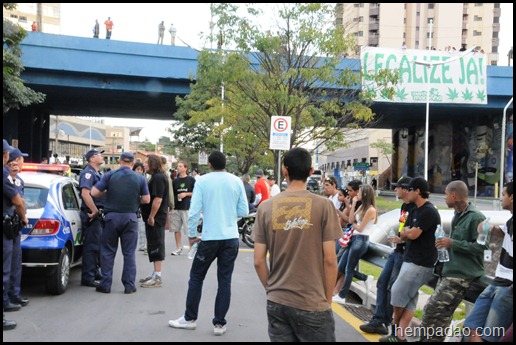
column 383, row 311
column 287, row 324
column 492, row 309
column 226, row 252
column 349, row 261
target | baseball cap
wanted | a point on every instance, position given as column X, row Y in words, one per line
column 91, row 153
column 403, row 182
column 259, row 173
column 419, row 183
column 272, row 177
column 7, row 147
column 14, row 153
column 127, row 157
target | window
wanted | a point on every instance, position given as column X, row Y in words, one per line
column 35, row 197
column 431, row 6
column 430, row 19
column 479, row 4
column 69, row 198
column 477, row 33
column 477, row 18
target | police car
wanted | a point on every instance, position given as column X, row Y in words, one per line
column 52, row 239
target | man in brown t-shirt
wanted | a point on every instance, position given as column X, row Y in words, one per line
column 299, row 230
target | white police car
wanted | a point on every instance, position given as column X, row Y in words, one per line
column 52, row 239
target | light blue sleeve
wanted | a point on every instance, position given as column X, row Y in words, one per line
column 243, row 204
column 195, row 210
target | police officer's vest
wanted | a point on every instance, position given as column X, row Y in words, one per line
column 123, row 192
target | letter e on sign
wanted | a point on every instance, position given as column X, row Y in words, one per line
column 280, row 133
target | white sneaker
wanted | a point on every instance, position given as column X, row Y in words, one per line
column 183, row 324
column 178, row 251
column 219, row 330
column 338, row 299
column 143, row 280
column 155, row 282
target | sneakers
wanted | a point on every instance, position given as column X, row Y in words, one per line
column 374, row 326
column 143, row 280
column 391, row 339
column 152, row 283
column 219, row 330
column 338, row 299
column 183, row 324
column 178, row 251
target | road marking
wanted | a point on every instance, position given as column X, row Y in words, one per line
column 353, row 321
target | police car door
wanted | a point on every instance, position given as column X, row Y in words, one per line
column 72, row 210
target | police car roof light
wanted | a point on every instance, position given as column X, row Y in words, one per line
column 52, row 168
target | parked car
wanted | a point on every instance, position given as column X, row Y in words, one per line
column 52, row 240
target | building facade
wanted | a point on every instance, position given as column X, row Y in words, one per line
column 47, row 16
column 453, row 25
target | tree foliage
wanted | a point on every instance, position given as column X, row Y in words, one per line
column 293, row 68
column 16, row 94
column 386, row 148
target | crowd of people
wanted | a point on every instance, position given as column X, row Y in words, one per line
column 138, row 202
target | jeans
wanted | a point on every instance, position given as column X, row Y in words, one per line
column 492, row 310
column 226, row 252
column 349, row 261
column 287, row 324
column 383, row 311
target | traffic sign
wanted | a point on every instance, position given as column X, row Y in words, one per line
column 280, row 133
column 203, row 158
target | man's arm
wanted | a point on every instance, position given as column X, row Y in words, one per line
column 260, row 262
column 410, row 233
column 19, row 206
column 88, row 200
column 330, row 268
column 156, row 203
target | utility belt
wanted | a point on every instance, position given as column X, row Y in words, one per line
column 101, row 216
column 12, row 226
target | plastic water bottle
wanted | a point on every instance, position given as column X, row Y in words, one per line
column 193, row 250
column 442, row 253
column 482, row 235
column 392, row 233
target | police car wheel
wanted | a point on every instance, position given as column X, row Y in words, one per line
column 58, row 276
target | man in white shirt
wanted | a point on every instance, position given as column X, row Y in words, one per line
column 330, row 190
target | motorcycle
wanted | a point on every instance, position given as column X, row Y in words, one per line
column 245, row 228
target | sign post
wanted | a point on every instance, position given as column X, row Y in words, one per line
column 280, row 138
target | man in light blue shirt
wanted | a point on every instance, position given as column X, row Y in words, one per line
column 221, row 198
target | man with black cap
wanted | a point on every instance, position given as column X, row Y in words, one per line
column 418, row 260
column 12, row 298
column 12, row 202
column 125, row 190
column 275, row 190
column 383, row 311
column 261, row 188
column 91, row 226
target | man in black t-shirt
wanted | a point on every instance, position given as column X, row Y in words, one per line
column 155, row 216
column 418, row 260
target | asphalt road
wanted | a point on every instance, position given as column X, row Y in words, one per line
column 82, row 314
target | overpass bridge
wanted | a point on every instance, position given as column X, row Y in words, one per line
column 92, row 77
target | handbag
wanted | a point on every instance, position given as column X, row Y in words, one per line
column 344, row 241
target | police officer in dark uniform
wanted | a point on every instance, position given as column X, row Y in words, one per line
column 125, row 191
column 15, row 165
column 12, row 203
column 91, row 226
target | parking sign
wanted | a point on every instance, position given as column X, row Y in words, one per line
column 280, row 133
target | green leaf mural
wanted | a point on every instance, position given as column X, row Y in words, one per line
column 452, row 94
column 467, row 95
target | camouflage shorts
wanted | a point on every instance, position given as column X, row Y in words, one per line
column 438, row 311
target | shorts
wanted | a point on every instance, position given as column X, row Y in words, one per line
column 179, row 221
column 405, row 290
column 155, row 242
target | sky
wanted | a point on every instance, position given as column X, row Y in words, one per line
column 139, row 23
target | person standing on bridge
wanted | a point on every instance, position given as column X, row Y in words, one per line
column 109, row 28
column 466, row 262
column 298, row 229
column 172, row 31
column 96, row 29
column 161, row 32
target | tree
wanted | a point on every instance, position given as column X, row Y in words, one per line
column 16, row 94
column 385, row 148
column 293, row 70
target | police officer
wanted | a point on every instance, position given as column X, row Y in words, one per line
column 91, row 226
column 15, row 165
column 12, row 202
column 125, row 191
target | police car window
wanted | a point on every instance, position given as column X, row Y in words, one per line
column 69, row 198
column 35, row 197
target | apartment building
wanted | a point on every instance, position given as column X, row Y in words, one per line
column 46, row 15
column 423, row 25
